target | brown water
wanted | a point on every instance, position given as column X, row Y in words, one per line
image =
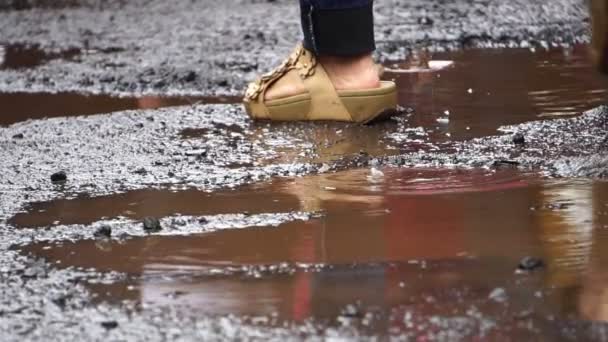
column 18, row 56
column 475, row 88
column 16, row 107
column 485, row 89
column 432, row 241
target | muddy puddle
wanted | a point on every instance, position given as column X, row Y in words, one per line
column 142, row 203
column 471, row 93
column 385, row 243
column 454, row 95
column 449, row 96
column 21, row 56
column 16, row 107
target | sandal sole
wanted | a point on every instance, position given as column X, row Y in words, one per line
column 364, row 106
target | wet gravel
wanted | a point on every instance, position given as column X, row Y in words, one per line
column 106, row 154
column 215, row 47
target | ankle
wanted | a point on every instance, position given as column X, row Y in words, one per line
column 358, row 72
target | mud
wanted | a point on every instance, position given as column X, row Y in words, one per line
column 414, row 228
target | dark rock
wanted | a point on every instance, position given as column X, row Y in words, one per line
column 530, row 264
column 107, row 79
column 103, row 232
column 59, row 177
column 504, row 162
column 152, row 224
column 109, row 325
column 160, row 84
column 141, row 171
column 518, row 139
column 190, row 76
column 18, row 136
column 175, row 294
column 61, row 301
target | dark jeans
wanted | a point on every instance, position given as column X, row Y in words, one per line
column 338, row 27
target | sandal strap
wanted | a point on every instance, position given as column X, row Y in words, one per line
column 323, row 95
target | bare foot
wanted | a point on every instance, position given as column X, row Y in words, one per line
column 346, row 73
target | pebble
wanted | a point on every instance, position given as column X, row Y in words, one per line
column 530, row 264
column 518, row 139
column 109, row 324
column 151, row 224
column 103, row 232
column 351, row 311
column 498, row 295
column 141, row 171
column 58, row 177
column 190, row 76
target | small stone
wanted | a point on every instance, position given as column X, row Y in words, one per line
column 425, row 21
column 498, row 295
column 141, row 171
column 18, row 136
column 61, row 301
column 109, row 324
column 504, row 162
column 196, row 153
column 351, row 311
column 103, row 232
column 107, row 79
column 59, row 177
column 152, row 224
column 180, row 222
column 518, row 139
column 530, row 264
column 175, row 294
column 190, row 76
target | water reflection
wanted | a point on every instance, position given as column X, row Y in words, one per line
column 433, row 241
column 573, row 235
column 401, row 237
column 486, row 89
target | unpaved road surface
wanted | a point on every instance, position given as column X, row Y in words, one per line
column 167, row 214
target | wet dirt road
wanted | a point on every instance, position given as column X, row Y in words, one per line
column 479, row 212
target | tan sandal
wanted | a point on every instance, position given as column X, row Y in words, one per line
column 322, row 102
